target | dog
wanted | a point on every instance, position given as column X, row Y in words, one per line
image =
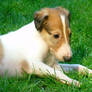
column 37, row 47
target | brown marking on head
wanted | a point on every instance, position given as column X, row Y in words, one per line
column 50, row 24
column 1, row 51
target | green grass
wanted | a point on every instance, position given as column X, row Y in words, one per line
column 16, row 13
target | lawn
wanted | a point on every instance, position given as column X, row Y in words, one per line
column 16, row 13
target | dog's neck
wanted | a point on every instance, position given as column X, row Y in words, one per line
column 50, row 59
column 49, row 55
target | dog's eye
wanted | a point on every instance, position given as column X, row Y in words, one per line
column 56, row 36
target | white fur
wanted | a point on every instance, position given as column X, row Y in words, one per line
column 20, row 45
column 27, row 45
column 64, row 27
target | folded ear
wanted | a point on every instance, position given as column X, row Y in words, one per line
column 63, row 10
column 39, row 18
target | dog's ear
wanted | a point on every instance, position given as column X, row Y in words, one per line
column 64, row 11
column 39, row 18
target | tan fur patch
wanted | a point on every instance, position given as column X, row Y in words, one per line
column 53, row 25
column 50, row 59
column 25, row 66
column 1, row 51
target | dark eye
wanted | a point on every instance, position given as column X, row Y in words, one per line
column 56, row 36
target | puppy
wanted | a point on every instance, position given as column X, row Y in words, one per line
column 35, row 47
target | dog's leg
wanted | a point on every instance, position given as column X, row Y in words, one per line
column 75, row 67
column 56, row 66
column 42, row 69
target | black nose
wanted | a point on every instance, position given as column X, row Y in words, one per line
column 67, row 58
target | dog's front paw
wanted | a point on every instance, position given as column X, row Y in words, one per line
column 89, row 71
column 76, row 83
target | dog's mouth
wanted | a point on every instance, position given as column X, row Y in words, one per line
column 64, row 59
column 61, row 58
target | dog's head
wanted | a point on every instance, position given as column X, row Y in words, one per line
column 53, row 25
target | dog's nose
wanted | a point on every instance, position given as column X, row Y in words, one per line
column 67, row 58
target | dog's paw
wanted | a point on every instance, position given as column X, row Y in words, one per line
column 76, row 83
column 89, row 71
